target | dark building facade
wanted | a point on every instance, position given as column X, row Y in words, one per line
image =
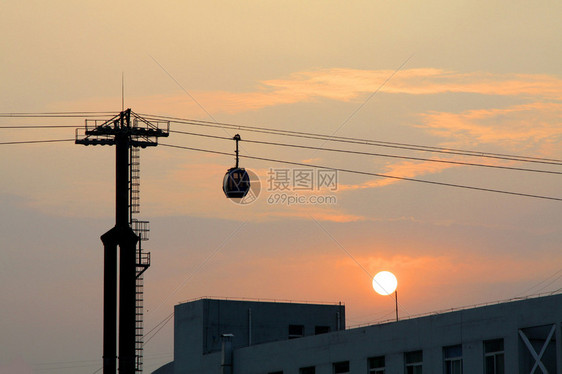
column 248, row 337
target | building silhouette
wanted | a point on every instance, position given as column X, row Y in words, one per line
column 250, row 337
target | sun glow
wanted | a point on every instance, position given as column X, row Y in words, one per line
column 385, row 283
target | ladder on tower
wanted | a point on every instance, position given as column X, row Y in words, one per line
column 139, row 325
column 141, row 229
column 134, row 181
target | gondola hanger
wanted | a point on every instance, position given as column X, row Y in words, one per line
column 236, row 182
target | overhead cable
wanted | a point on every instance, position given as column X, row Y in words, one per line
column 307, row 135
column 370, row 173
column 37, row 141
column 56, row 114
column 15, row 127
column 370, row 153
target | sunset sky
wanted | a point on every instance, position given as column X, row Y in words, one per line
column 473, row 75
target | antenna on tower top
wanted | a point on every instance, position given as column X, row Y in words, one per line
column 122, row 91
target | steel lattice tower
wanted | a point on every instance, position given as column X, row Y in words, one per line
column 128, row 132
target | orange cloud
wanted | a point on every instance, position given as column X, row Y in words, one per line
column 342, row 85
column 517, row 125
column 348, row 84
column 406, row 169
column 441, row 81
column 319, row 214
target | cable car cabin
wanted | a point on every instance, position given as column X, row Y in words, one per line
column 236, row 183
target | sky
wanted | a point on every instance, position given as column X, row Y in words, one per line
column 473, row 75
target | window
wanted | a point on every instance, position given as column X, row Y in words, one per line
column 493, row 357
column 376, row 365
column 307, row 370
column 321, row 329
column 538, row 349
column 341, row 367
column 452, row 359
column 296, row 331
column 413, row 362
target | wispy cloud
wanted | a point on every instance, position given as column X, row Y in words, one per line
column 343, row 84
column 527, row 123
column 349, row 84
column 405, row 169
column 321, row 214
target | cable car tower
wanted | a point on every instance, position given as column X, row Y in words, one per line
column 128, row 132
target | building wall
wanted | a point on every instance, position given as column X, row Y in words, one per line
column 258, row 322
column 469, row 328
column 188, row 337
column 198, row 327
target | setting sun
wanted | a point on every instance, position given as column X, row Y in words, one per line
column 385, row 283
